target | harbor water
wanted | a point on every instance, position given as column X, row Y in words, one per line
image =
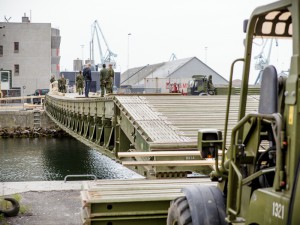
column 44, row 159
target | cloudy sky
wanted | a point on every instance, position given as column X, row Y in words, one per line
column 208, row 29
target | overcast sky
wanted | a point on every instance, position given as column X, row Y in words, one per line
column 158, row 28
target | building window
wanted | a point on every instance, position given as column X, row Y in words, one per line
column 17, row 69
column 16, row 46
column 1, row 50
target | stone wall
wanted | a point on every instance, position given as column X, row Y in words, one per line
column 13, row 119
column 23, row 124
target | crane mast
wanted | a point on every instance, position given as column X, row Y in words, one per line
column 263, row 61
column 105, row 58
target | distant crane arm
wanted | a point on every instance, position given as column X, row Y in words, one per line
column 100, row 49
column 108, row 57
column 261, row 61
column 109, row 51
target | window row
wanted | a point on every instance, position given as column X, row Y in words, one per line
column 16, row 48
column 16, row 69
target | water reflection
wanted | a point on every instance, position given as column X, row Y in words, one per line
column 52, row 159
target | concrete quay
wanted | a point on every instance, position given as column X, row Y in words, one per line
column 10, row 188
column 44, row 202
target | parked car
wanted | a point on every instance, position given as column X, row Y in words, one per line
column 38, row 92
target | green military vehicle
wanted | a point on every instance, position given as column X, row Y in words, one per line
column 201, row 85
column 258, row 177
column 38, row 92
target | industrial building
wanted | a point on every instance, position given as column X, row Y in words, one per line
column 161, row 75
column 30, row 54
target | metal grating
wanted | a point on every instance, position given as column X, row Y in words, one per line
column 173, row 118
column 153, row 124
column 161, row 132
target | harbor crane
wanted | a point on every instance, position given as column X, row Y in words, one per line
column 105, row 58
column 263, row 61
column 173, row 57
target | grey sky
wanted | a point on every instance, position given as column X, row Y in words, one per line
column 158, row 27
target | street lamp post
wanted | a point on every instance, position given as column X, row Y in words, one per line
column 205, row 48
column 129, row 34
column 82, row 46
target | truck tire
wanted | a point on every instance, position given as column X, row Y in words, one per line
column 202, row 205
column 211, row 92
column 14, row 210
column 179, row 212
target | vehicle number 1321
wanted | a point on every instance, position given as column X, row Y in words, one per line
column 278, row 210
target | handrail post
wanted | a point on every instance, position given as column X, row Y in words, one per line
column 227, row 114
column 84, row 175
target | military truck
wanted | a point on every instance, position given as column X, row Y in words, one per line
column 201, row 85
column 257, row 178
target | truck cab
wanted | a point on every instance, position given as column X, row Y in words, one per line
column 257, row 173
column 200, row 85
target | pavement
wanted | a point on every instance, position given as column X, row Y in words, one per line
column 44, row 202
column 9, row 188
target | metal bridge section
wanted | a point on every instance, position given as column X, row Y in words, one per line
column 155, row 135
column 138, row 201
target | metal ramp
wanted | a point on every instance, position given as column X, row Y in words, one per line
column 152, row 123
column 171, row 119
column 169, row 124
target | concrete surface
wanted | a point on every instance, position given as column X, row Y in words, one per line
column 23, row 119
column 9, row 188
column 48, row 208
column 45, row 202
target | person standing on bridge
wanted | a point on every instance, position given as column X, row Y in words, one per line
column 103, row 79
column 62, row 84
column 79, row 83
column 87, row 74
column 110, row 80
column 59, row 84
column 52, row 79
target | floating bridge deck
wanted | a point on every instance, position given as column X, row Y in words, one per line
column 156, row 135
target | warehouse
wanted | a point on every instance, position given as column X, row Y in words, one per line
column 176, row 71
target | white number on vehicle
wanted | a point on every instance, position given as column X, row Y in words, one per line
column 190, row 157
column 278, row 210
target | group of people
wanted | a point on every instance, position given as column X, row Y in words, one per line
column 84, row 79
column 61, row 83
column 106, row 79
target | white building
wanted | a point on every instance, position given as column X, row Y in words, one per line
column 162, row 75
column 30, row 51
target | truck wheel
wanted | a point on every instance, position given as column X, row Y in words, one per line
column 202, row 205
column 211, row 92
column 14, row 210
column 179, row 212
